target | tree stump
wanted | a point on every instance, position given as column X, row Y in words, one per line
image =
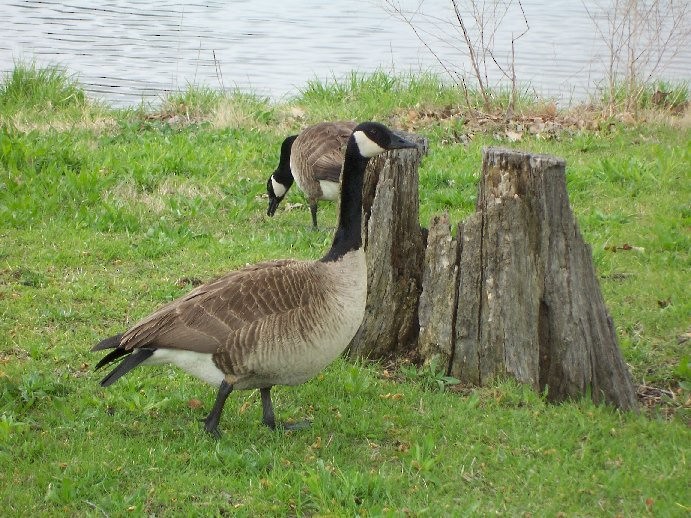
column 394, row 247
column 439, row 297
column 515, row 292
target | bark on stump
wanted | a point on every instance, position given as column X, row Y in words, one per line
column 515, row 293
column 394, row 247
column 438, row 300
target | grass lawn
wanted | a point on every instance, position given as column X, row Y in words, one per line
column 106, row 214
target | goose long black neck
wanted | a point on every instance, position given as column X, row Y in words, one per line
column 348, row 234
column 283, row 173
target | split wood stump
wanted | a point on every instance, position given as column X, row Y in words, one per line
column 394, row 247
column 512, row 293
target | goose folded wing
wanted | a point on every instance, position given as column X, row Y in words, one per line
column 203, row 319
column 328, row 166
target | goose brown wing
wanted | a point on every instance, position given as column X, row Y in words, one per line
column 203, row 319
column 326, row 153
column 328, row 166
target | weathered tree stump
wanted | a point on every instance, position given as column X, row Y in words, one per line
column 395, row 249
column 515, row 292
column 438, row 300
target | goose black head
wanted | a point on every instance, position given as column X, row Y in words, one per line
column 282, row 178
column 373, row 138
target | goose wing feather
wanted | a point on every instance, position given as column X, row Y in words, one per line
column 213, row 316
column 326, row 147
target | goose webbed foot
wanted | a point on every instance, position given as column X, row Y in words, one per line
column 297, row 425
column 269, row 419
column 211, row 420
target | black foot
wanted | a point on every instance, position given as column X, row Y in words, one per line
column 268, row 418
column 211, row 427
column 297, row 425
column 289, row 427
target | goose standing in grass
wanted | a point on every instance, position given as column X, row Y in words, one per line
column 272, row 323
column 313, row 159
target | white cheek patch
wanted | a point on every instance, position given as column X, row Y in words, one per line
column 279, row 188
column 368, row 148
column 330, row 190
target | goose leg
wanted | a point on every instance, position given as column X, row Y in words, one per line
column 268, row 413
column 313, row 210
column 267, row 408
column 211, row 421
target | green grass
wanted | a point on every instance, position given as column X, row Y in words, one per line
column 102, row 223
column 27, row 86
column 670, row 95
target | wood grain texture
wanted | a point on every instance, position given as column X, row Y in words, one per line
column 529, row 303
column 438, row 300
column 512, row 293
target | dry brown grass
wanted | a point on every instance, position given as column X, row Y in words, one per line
column 126, row 193
column 542, row 119
column 26, row 122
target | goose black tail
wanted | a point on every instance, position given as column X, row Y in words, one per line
column 109, row 343
column 133, row 358
column 112, row 356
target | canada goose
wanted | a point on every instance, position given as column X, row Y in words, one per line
column 272, row 323
column 314, row 159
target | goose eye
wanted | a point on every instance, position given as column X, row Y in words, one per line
column 374, row 135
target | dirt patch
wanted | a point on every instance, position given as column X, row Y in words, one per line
column 665, row 402
column 542, row 120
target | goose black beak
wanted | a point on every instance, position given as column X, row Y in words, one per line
column 398, row 142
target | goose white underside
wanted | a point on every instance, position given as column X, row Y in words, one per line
column 295, row 357
column 330, row 190
column 199, row 365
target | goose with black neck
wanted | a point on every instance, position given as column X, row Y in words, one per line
column 313, row 160
column 273, row 323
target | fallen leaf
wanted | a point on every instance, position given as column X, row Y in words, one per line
column 403, row 446
column 389, row 395
column 194, row 404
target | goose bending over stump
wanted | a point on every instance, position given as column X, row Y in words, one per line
column 273, row 323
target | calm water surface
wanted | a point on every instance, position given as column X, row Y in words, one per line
column 128, row 51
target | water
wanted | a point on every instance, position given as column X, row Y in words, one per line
column 127, row 51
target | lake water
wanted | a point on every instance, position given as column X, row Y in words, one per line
column 130, row 51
